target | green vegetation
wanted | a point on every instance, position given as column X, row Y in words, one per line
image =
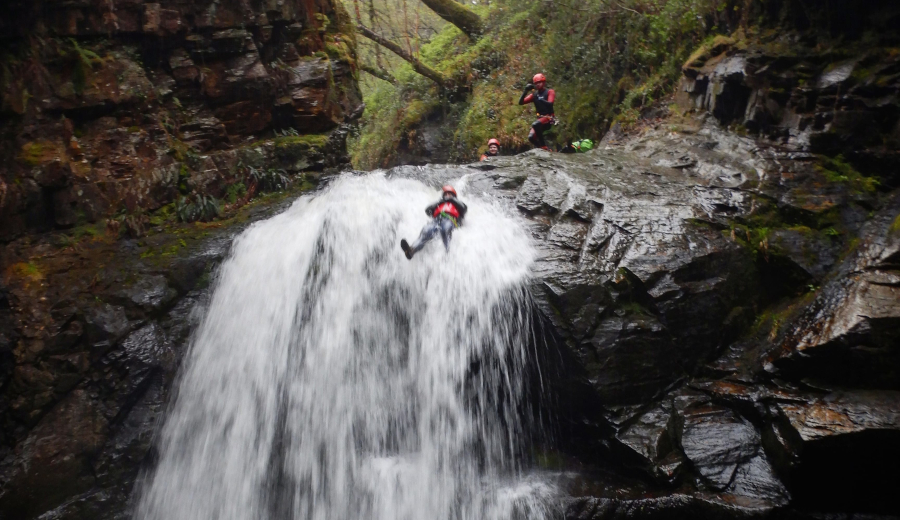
column 307, row 142
column 235, row 192
column 32, row 154
column 163, row 215
column 83, row 61
column 605, row 59
column 837, row 169
column 895, row 226
column 26, row 270
column 196, row 207
column 269, row 179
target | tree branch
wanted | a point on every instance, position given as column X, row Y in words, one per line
column 417, row 65
column 467, row 21
column 379, row 73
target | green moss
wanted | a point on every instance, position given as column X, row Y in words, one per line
column 28, row 271
column 32, row 154
column 90, row 230
column 806, row 230
column 415, row 111
column 307, row 141
column 634, row 308
column 323, row 20
column 838, row 170
column 339, row 50
column 183, row 177
column 712, row 46
column 895, row 226
column 163, row 215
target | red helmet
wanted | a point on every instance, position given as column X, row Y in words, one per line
column 538, row 77
column 493, row 141
column 448, row 189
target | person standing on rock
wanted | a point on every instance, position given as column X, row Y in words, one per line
column 446, row 215
column 493, row 149
column 543, row 99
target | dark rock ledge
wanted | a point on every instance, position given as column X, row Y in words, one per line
column 729, row 326
column 91, row 336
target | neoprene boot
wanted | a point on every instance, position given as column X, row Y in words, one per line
column 404, row 245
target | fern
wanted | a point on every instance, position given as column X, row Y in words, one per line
column 269, row 179
column 85, row 59
column 197, row 207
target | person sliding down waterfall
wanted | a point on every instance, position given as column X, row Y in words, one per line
column 446, row 215
column 543, row 102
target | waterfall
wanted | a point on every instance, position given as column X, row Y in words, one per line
column 333, row 379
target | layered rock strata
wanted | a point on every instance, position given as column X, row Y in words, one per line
column 734, row 373
column 91, row 337
column 116, row 108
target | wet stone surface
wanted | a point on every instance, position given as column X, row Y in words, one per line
column 92, row 347
column 723, row 370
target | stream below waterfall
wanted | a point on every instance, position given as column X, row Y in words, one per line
column 333, row 379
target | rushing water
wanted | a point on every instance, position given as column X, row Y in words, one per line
column 333, row 379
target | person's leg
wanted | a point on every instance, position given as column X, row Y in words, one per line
column 535, row 134
column 540, row 128
column 427, row 234
column 446, row 232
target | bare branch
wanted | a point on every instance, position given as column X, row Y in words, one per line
column 417, row 65
column 379, row 73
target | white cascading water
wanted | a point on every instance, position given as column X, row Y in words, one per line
column 333, row 379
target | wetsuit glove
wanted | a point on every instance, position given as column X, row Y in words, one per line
column 529, row 87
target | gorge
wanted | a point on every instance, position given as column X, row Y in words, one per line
column 697, row 319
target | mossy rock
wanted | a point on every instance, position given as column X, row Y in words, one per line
column 710, row 48
column 300, row 152
column 38, row 153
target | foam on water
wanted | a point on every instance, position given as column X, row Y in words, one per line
column 332, row 379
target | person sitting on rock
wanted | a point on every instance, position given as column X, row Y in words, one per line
column 493, row 149
column 542, row 98
column 446, row 214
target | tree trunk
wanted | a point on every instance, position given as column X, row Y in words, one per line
column 417, row 65
column 378, row 73
column 457, row 14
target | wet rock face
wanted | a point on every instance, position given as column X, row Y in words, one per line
column 635, row 268
column 126, row 106
column 783, row 89
column 849, row 334
column 91, row 337
column 727, row 310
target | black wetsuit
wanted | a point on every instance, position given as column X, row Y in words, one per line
column 488, row 153
column 543, row 103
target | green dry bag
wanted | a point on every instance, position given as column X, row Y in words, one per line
column 583, row 145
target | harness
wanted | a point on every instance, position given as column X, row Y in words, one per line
column 451, row 217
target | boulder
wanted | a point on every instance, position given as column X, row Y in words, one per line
column 848, row 335
column 54, row 458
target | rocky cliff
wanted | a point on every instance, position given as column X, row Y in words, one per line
column 724, row 296
column 114, row 108
column 115, row 116
column 719, row 286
